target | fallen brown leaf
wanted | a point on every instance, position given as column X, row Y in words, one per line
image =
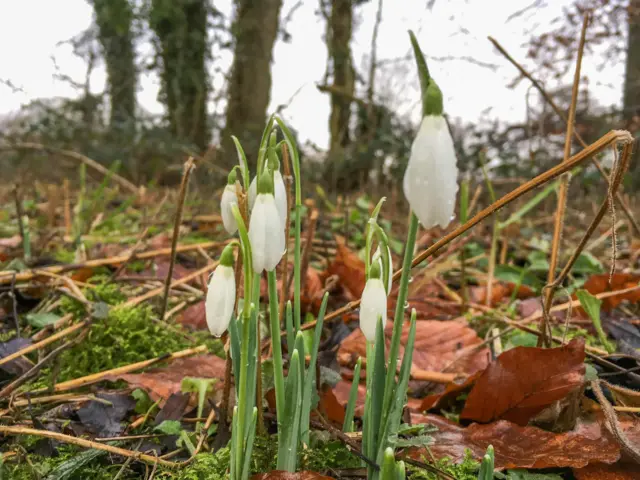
column 438, row 345
column 161, row 383
column 331, row 406
column 598, row 471
column 348, row 267
column 596, row 284
column 194, row 316
column 522, row 447
column 451, row 392
column 524, row 381
column 499, row 292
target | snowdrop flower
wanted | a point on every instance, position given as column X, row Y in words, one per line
column 221, row 294
column 279, row 193
column 430, row 181
column 373, row 304
column 266, row 231
column 377, row 256
column 229, row 198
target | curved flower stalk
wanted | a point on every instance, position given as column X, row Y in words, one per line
column 229, row 198
column 430, row 180
column 265, row 228
column 221, row 294
column 373, row 305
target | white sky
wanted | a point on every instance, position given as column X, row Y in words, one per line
column 31, row 30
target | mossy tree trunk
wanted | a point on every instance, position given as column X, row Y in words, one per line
column 180, row 27
column 255, row 29
column 631, row 100
column 114, row 19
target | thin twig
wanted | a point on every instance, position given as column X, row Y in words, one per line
column 35, row 346
column 562, row 189
column 623, row 204
column 614, row 136
column 81, row 442
column 188, row 168
column 76, row 156
column 97, row 377
column 7, row 275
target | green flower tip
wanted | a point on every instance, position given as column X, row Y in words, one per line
column 265, row 182
column 272, row 159
column 273, row 138
column 431, row 94
column 227, row 258
column 374, row 270
column 231, row 178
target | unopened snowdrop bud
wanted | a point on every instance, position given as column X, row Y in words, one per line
column 378, row 256
column 430, row 181
column 279, row 193
column 373, row 304
column 229, row 198
column 266, row 232
column 221, row 294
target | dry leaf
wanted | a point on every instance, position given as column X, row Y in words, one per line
column 598, row 471
column 524, row 381
column 619, row 281
column 330, row 406
column 438, row 345
column 522, row 447
column 348, row 267
column 161, row 383
column 451, row 392
column 499, row 292
column 194, row 316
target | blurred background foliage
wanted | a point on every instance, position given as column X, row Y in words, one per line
column 369, row 141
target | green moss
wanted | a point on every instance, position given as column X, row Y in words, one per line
column 205, row 466
column 467, row 470
column 127, row 335
column 6, row 336
column 64, row 256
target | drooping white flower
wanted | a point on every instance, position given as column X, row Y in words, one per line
column 229, row 198
column 221, row 294
column 279, row 192
column 430, row 181
column 377, row 256
column 266, row 230
column 373, row 304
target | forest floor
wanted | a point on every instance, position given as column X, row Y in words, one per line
column 94, row 384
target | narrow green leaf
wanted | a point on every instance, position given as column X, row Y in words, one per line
column 347, row 426
column 591, row 305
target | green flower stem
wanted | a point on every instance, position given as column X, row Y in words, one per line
column 347, row 426
column 295, row 161
column 246, row 259
column 278, row 375
column 399, row 315
column 244, row 165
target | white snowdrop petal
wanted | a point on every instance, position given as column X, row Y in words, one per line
column 430, row 181
column 266, row 234
column 228, row 199
column 253, row 192
column 373, row 305
column 221, row 297
column 280, row 194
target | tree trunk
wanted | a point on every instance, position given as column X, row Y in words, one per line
column 338, row 42
column 631, row 101
column 114, row 19
column 255, row 30
column 181, row 30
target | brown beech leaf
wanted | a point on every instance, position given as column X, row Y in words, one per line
column 348, row 267
column 438, row 345
column 282, row 475
column 599, row 471
column 331, row 406
column 522, row 447
column 451, row 392
column 524, row 381
column 596, row 284
column 341, row 392
column 161, row 383
column 194, row 316
column 499, row 292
